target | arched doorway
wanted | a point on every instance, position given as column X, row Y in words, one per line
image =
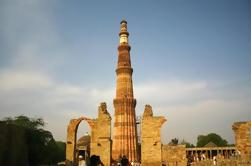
column 100, row 137
column 72, row 137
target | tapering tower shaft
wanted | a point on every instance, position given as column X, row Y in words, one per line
column 124, row 133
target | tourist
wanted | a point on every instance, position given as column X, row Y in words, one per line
column 124, row 161
column 214, row 160
column 99, row 163
column 203, row 157
column 81, row 161
column 93, row 160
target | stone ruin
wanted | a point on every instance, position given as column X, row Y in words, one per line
column 243, row 138
column 150, row 137
column 153, row 152
column 100, row 137
column 101, row 143
column 174, row 155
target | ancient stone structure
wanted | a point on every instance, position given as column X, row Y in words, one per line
column 209, row 152
column 71, row 139
column 100, row 137
column 151, row 154
column 174, row 155
column 83, row 146
column 124, row 132
column 243, row 138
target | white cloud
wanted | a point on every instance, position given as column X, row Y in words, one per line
column 11, row 80
column 203, row 117
column 195, row 107
column 186, row 105
column 36, row 94
column 167, row 91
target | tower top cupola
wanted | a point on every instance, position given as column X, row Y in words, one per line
column 123, row 34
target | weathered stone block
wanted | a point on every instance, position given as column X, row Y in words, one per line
column 174, row 155
column 243, row 138
column 151, row 140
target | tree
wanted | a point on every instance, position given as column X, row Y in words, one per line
column 174, row 141
column 13, row 146
column 25, row 122
column 187, row 144
column 202, row 140
column 24, row 139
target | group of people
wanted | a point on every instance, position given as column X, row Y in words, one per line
column 93, row 161
column 200, row 157
column 123, row 161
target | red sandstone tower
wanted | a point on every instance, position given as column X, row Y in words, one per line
column 124, row 133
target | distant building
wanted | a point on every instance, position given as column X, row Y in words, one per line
column 83, row 146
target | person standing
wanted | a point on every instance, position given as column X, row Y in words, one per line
column 81, row 161
column 214, row 160
column 124, row 161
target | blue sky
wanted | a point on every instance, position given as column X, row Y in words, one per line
column 191, row 61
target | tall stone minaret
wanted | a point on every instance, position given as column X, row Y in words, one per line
column 124, row 132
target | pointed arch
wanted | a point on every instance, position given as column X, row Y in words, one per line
column 72, row 136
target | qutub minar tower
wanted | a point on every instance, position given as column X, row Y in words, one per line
column 124, row 132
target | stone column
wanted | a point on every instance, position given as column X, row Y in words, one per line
column 151, row 140
column 101, row 135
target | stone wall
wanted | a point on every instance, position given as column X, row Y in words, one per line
column 150, row 136
column 243, row 138
column 101, row 136
column 174, row 155
column 224, row 162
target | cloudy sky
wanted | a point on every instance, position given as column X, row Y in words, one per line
column 191, row 60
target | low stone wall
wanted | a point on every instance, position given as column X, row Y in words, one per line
column 174, row 155
column 224, row 162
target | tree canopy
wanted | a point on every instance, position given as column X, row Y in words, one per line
column 187, row 144
column 174, row 141
column 23, row 141
column 202, row 140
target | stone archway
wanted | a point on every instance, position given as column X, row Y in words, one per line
column 71, row 139
column 100, row 137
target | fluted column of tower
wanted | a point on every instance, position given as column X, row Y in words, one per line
column 124, row 133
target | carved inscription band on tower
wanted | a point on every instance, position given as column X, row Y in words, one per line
column 124, row 132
